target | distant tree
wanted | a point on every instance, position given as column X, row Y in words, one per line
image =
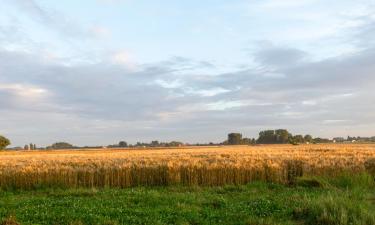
column 175, row 144
column 245, row 141
column 61, row 145
column 298, row 139
column 340, row 139
column 282, row 136
column 26, row 147
column 248, row 141
column 31, row 146
column 4, row 142
column 308, row 138
column 155, row 144
column 321, row 140
column 123, row 144
column 267, row 137
column 234, row 139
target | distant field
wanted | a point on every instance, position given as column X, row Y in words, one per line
column 206, row 166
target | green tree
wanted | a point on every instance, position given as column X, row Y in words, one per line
column 298, row 139
column 282, row 136
column 4, row 142
column 155, row 143
column 321, row 140
column 308, row 138
column 246, row 141
column 175, row 144
column 234, row 139
column 123, row 144
column 267, row 137
column 61, row 145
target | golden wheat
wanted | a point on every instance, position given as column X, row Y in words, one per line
column 187, row 166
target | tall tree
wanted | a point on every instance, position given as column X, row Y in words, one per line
column 267, row 137
column 282, row 136
column 299, row 139
column 4, row 142
column 308, row 138
column 123, row 144
column 234, row 139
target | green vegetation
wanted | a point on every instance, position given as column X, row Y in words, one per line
column 280, row 136
column 234, row 139
column 152, row 144
column 311, row 200
column 283, row 136
column 61, row 145
column 4, row 142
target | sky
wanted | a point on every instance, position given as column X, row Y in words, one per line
column 94, row 72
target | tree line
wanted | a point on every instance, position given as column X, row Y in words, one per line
column 155, row 144
column 279, row 136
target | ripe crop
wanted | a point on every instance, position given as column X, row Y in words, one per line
column 208, row 166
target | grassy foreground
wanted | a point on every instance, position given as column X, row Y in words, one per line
column 341, row 201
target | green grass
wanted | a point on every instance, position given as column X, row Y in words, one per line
column 340, row 201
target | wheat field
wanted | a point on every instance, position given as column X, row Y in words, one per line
column 207, row 166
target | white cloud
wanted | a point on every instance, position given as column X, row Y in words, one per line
column 224, row 105
column 169, row 84
column 207, row 92
column 24, row 91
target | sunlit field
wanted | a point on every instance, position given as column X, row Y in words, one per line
column 203, row 166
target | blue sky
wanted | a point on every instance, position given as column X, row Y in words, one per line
column 100, row 71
